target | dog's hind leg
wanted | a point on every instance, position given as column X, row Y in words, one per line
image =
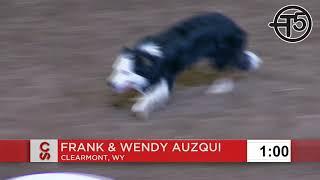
column 246, row 61
column 224, row 83
column 249, row 61
column 221, row 85
column 156, row 97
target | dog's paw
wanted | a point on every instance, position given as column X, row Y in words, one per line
column 255, row 61
column 141, row 111
column 143, row 115
column 221, row 86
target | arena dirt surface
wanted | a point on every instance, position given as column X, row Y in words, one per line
column 55, row 55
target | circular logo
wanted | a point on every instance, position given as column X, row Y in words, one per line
column 292, row 23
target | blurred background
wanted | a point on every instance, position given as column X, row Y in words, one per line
column 55, row 55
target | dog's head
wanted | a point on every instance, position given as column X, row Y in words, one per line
column 133, row 69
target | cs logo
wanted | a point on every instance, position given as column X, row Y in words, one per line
column 44, row 151
column 292, row 23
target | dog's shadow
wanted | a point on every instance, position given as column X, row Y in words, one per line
column 199, row 75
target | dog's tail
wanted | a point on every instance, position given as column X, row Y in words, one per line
column 249, row 61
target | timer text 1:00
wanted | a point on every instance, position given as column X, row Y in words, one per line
column 276, row 151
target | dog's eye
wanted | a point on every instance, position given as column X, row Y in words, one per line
column 146, row 62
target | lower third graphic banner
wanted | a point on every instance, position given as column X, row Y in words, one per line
column 159, row 150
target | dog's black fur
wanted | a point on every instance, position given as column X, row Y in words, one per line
column 211, row 35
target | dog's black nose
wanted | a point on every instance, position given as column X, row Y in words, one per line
column 110, row 84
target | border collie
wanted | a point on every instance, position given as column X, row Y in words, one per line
column 153, row 63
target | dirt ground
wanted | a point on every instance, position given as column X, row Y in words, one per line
column 55, row 55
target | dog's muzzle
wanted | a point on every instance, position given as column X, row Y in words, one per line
column 119, row 88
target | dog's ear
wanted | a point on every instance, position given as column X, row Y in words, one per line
column 126, row 50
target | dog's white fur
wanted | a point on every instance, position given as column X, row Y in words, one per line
column 255, row 61
column 151, row 48
column 123, row 75
column 221, row 86
column 154, row 98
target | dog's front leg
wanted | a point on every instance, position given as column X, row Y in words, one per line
column 157, row 96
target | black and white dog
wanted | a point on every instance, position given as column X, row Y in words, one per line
column 152, row 65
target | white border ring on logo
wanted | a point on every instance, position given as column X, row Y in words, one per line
column 284, row 38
